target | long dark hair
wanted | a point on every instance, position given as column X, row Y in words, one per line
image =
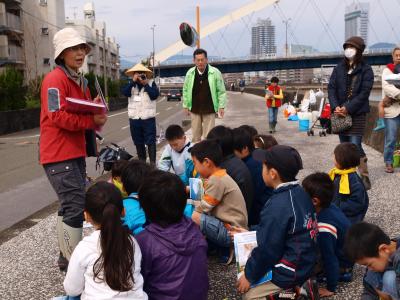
column 115, row 264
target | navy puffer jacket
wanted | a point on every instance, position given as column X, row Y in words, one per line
column 337, row 94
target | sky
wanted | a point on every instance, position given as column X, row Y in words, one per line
column 130, row 21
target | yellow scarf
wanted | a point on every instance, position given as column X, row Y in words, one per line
column 344, row 185
column 118, row 184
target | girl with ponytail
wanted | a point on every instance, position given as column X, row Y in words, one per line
column 105, row 264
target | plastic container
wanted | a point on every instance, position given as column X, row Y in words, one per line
column 304, row 124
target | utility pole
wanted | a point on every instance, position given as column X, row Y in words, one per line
column 154, row 66
column 286, row 22
column 198, row 25
column 105, row 63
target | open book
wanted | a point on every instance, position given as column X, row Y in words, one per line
column 84, row 106
column 196, row 188
column 244, row 243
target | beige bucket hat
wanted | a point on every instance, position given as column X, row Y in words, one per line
column 66, row 38
column 141, row 69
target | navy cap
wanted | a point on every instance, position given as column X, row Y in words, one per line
column 285, row 159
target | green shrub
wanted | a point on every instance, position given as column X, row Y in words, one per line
column 12, row 90
column 32, row 95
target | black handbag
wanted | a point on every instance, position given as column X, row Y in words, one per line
column 109, row 155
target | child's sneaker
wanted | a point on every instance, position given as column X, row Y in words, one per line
column 380, row 124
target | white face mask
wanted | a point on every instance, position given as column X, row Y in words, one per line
column 350, row 53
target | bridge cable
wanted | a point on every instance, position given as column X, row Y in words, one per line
column 214, row 45
column 301, row 14
column 246, row 26
column 388, row 20
column 285, row 19
column 372, row 26
column 333, row 15
column 327, row 29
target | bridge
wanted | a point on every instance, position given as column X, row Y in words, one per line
column 169, row 68
column 268, row 64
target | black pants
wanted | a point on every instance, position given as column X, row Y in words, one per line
column 68, row 180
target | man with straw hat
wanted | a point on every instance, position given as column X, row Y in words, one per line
column 142, row 93
column 62, row 137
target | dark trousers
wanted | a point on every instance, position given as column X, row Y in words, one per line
column 68, row 180
column 143, row 133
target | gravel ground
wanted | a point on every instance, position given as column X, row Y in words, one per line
column 28, row 261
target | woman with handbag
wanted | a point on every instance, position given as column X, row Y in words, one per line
column 348, row 91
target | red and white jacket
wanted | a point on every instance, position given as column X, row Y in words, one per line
column 62, row 134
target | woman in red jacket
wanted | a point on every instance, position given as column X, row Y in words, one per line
column 62, row 137
column 273, row 96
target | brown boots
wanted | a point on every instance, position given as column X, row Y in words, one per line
column 363, row 170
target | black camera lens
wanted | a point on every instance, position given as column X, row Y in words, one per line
column 142, row 76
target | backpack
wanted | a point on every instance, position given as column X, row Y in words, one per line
column 108, row 155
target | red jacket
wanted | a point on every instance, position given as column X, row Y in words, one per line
column 62, row 134
column 277, row 100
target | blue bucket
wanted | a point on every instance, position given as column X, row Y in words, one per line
column 304, row 125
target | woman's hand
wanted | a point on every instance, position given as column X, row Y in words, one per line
column 323, row 292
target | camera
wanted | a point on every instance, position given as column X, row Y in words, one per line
column 142, row 76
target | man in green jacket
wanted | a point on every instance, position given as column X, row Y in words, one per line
column 204, row 95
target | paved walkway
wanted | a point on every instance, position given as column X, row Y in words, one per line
column 28, row 262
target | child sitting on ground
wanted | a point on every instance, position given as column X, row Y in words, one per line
column 175, row 153
column 350, row 194
column 287, row 230
column 332, row 227
column 262, row 141
column 243, row 146
column 105, row 264
column 386, row 102
column 132, row 177
column 222, row 205
column 174, row 264
column 366, row 244
column 116, row 172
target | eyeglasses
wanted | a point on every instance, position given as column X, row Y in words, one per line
column 83, row 47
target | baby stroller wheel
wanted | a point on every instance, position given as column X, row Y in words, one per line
column 321, row 134
column 308, row 132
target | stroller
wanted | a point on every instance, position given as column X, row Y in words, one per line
column 109, row 155
column 324, row 119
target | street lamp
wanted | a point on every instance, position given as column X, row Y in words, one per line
column 153, row 28
column 286, row 22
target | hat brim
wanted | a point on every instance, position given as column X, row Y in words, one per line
column 70, row 44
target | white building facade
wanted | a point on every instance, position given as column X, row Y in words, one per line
column 356, row 20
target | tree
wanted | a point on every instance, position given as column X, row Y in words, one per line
column 12, row 90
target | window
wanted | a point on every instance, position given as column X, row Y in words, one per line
column 45, row 31
column 46, row 61
column 43, row 2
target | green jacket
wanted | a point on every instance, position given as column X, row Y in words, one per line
column 217, row 87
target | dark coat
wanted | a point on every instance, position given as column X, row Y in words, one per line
column 337, row 88
column 237, row 169
column 174, row 261
column 286, row 239
column 354, row 205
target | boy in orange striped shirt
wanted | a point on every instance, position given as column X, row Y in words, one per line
column 222, row 205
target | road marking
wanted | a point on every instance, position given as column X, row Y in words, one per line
column 168, row 108
column 163, row 98
column 125, row 127
column 110, row 116
column 19, row 137
column 157, row 114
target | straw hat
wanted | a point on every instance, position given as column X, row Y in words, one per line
column 140, row 68
column 66, row 38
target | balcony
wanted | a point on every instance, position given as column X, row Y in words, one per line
column 10, row 54
column 10, row 23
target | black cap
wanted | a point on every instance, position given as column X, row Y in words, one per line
column 285, row 159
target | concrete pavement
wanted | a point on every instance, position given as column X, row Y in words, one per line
column 28, row 261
